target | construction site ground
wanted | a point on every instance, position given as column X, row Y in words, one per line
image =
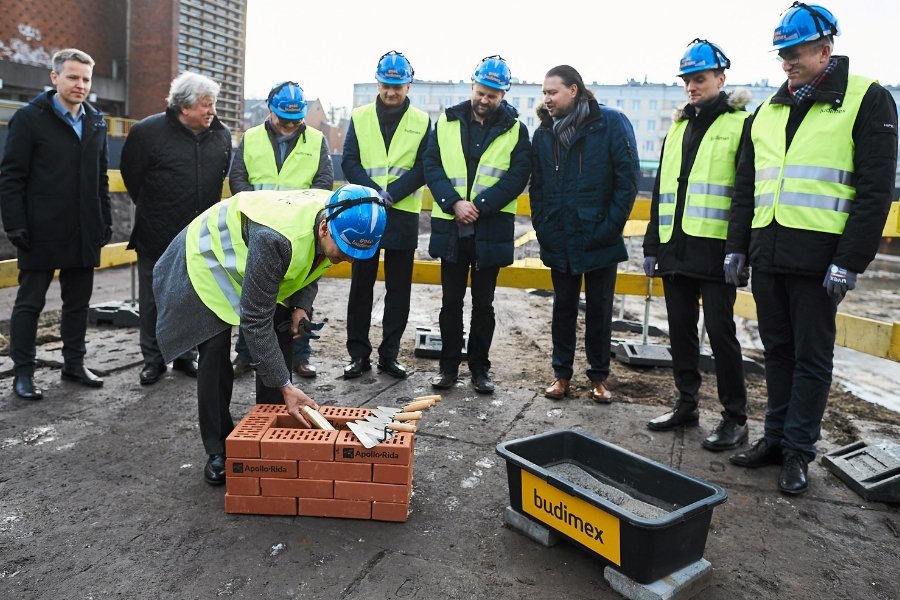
column 102, row 496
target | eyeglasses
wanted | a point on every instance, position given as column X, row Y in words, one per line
column 289, row 123
column 792, row 56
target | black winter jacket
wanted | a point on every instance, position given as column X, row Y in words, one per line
column 683, row 254
column 402, row 229
column 494, row 230
column 172, row 176
column 581, row 199
column 780, row 249
column 55, row 186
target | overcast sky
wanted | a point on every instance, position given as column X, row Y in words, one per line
column 328, row 46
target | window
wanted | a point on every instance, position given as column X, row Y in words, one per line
column 531, row 103
column 653, row 105
column 648, row 146
column 620, row 103
column 635, row 105
column 651, row 125
column 530, row 122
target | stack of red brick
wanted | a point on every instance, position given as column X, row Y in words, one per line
column 276, row 468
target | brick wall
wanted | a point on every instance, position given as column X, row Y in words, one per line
column 154, row 55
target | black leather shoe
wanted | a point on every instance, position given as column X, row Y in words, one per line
column 793, row 474
column 186, row 366
column 726, row 436
column 25, row 389
column 241, row 366
column 392, row 368
column 444, row 380
column 151, row 373
column 82, row 375
column 682, row 414
column 760, row 454
column 214, row 472
column 482, row 382
column 357, row 367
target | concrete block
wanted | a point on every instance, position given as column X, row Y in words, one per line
column 680, row 585
column 530, row 529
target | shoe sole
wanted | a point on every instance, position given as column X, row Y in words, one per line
column 715, row 448
column 306, row 375
column 214, row 482
column 33, row 398
column 392, row 373
column 793, row 492
column 673, row 427
column 149, row 381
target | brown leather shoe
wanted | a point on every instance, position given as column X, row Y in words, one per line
column 304, row 369
column 558, row 390
column 599, row 393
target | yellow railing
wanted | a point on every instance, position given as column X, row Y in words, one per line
column 869, row 336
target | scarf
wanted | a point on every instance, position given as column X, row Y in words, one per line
column 564, row 127
column 804, row 91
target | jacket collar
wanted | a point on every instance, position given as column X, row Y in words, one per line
column 44, row 101
column 831, row 91
column 172, row 118
column 594, row 114
column 507, row 114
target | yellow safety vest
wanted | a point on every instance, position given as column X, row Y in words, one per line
column 710, row 183
column 811, row 185
column 298, row 170
column 493, row 165
column 217, row 252
column 385, row 167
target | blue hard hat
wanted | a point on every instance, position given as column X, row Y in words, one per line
column 804, row 23
column 702, row 55
column 394, row 69
column 286, row 101
column 492, row 72
column 356, row 218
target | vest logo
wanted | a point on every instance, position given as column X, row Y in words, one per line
column 578, row 519
column 719, row 138
column 413, row 131
column 833, row 111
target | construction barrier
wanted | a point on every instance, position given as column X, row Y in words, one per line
column 876, row 338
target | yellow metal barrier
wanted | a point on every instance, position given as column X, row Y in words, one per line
column 872, row 337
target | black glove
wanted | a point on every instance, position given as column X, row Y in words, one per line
column 838, row 282
column 733, row 266
column 107, row 235
column 19, row 239
column 308, row 329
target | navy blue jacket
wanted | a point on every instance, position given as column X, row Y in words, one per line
column 402, row 229
column 494, row 230
column 55, row 186
column 581, row 199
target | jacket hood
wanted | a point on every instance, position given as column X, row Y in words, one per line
column 737, row 99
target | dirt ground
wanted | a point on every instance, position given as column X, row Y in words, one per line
column 101, row 494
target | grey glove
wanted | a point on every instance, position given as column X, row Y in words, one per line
column 388, row 201
column 19, row 239
column 733, row 266
column 650, row 266
column 838, row 281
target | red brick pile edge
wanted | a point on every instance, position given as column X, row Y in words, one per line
column 274, row 467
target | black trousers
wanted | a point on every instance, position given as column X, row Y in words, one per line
column 599, row 289
column 683, row 307
column 797, row 328
column 454, row 277
column 398, row 267
column 76, row 286
column 147, row 308
column 215, row 381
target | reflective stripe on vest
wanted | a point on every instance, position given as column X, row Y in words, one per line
column 217, row 253
column 710, row 182
column 299, row 168
column 385, row 167
column 809, row 186
column 492, row 167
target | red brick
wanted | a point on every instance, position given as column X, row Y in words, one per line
column 339, row 416
column 344, row 509
column 396, row 474
column 242, row 486
column 260, row 505
column 364, row 490
column 256, row 467
column 298, row 444
column 268, row 409
column 243, row 441
column 388, row 511
column 340, row 471
column 298, row 488
column 395, row 451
